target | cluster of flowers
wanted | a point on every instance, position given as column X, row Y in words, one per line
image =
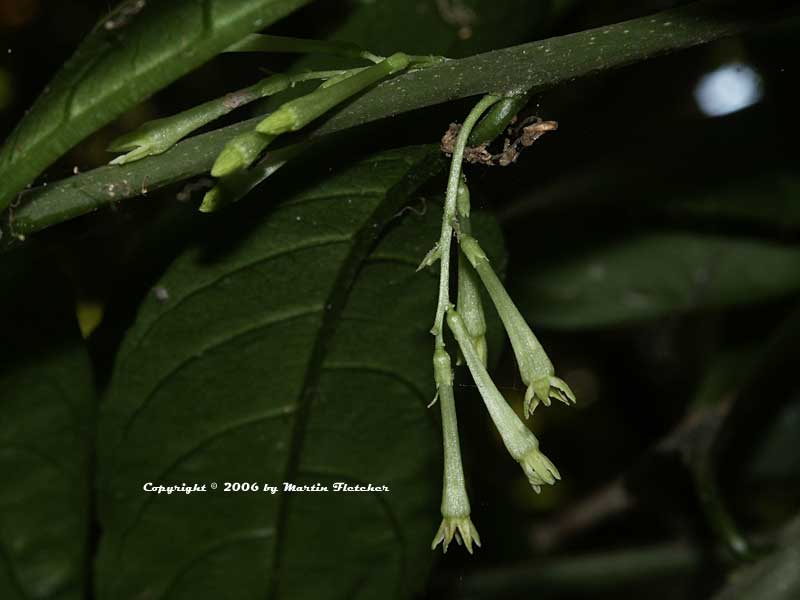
column 467, row 323
column 235, row 166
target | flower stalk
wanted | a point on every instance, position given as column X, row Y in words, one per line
column 445, row 238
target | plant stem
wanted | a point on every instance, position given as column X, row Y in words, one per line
column 450, row 212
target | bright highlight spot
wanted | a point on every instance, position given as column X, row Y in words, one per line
column 729, row 88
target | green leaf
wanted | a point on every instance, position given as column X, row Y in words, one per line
column 46, row 407
column 296, row 354
column 136, row 51
column 649, row 276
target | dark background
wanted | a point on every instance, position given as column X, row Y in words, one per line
column 634, row 156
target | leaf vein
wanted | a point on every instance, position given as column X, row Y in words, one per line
column 216, row 344
column 313, row 244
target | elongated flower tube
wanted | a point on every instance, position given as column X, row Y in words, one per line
column 456, row 520
column 155, row 137
column 518, row 439
column 240, row 152
column 535, row 368
column 233, row 187
column 298, row 113
column 469, row 303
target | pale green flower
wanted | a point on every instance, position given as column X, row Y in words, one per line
column 535, row 368
column 459, row 527
column 469, row 303
column 455, row 503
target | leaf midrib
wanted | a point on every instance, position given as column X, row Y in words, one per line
column 363, row 242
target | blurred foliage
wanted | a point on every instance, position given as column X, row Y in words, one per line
column 47, row 400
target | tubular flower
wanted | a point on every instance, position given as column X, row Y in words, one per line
column 535, row 368
column 518, row 439
column 240, row 152
column 469, row 303
column 155, row 137
column 455, row 503
column 298, row 113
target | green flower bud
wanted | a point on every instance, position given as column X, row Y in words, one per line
column 239, row 153
column 469, row 303
column 155, row 137
column 535, row 368
column 296, row 114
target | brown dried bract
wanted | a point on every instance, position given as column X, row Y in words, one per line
column 523, row 136
column 533, row 132
column 472, row 154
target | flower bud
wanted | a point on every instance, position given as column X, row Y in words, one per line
column 469, row 304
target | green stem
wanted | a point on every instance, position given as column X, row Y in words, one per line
column 327, row 75
column 716, row 511
column 450, row 212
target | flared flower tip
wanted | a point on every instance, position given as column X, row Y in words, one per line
column 459, row 527
column 539, row 470
column 543, row 390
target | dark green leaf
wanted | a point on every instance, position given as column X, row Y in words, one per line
column 46, row 407
column 139, row 49
column 766, row 200
column 654, row 275
column 297, row 354
column 429, row 27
